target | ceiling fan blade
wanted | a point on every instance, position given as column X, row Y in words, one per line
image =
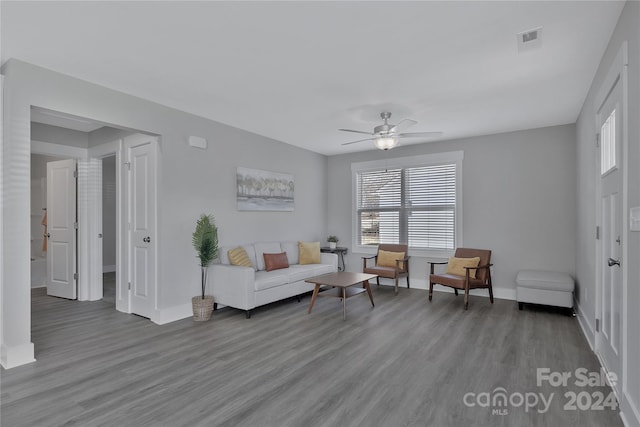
column 419, row 135
column 360, row 140
column 356, row 131
column 403, row 124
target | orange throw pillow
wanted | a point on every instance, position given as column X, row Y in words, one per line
column 275, row 261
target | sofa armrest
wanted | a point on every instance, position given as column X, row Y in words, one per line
column 233, row 286
column 329, row 258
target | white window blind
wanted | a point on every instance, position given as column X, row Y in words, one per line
column 430, row 200
column 414, row 205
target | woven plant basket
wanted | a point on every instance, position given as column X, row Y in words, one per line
column 202, row 308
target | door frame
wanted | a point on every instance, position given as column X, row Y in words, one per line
column 617, row 74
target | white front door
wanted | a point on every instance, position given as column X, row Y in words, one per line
column 608, row 338
column 140, row 182
column 61, row 229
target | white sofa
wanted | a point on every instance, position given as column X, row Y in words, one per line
column 245, row 288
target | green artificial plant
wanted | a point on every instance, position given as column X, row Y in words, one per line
column 205, row 242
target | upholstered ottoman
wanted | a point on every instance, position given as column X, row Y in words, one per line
column 544, row 287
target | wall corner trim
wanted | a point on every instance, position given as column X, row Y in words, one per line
column 163, row 316
column 18, row 355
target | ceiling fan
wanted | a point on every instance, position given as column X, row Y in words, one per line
column 387, row 135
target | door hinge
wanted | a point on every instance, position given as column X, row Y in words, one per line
column 597, row 325
column 75, row 174
column 75, row 276
column 75, row 225
column 597, row 232
column 129, row 284
column 597, row 140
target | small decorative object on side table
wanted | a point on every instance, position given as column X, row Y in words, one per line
column 333, row 241
column 340, row 251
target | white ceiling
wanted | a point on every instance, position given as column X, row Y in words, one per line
column 298, row 71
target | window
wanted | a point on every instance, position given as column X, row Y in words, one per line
column 409, row 200
column 608, row 144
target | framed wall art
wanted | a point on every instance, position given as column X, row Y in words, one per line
column 259, row 190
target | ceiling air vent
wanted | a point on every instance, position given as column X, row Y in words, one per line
column 529, row 39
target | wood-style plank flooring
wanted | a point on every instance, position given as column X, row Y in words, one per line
column 406, row 362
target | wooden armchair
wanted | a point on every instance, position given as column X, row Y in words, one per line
column 391, row 262
column 468, row 278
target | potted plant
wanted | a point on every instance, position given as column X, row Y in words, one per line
column 205, row 242
column 333, row 241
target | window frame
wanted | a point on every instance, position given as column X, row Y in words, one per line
column 408, row 162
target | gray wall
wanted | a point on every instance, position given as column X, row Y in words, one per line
column 191, row 181
column 57, row 135
column 628, row 29
column 518, row 200
column 106, row 134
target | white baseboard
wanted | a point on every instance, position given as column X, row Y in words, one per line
column 172, row 314
column 587, row 328
column 499, row 293
column 108, row 268
column 17, row 355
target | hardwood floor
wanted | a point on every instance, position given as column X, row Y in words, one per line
column 406, row 362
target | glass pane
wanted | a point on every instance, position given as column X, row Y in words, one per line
column 430, row 186
column 432, row 229
column 379, row 189
column 608, row 144
column 379, row 227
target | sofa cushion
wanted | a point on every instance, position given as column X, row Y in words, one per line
column 275, row 261
column 309, row 252
column 271, row 279
column 265, row 247
column 239, row 256
column 305, row 271
column 293, row 254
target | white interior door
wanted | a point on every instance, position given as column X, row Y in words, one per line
column 608, row 338
column 140, row 155
column 61, row 229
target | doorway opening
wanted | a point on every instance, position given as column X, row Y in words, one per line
column 114, row 169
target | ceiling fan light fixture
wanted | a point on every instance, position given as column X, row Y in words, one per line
column 386, row 142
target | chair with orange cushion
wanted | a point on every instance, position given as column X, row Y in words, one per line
column 391, row 262
column 467, row 269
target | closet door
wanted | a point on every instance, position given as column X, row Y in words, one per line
column 61, row 229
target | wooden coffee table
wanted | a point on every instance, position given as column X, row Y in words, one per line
column 342, row 282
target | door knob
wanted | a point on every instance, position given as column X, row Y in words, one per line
column 613, row 262
column 48, row 235
column 147, row 239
